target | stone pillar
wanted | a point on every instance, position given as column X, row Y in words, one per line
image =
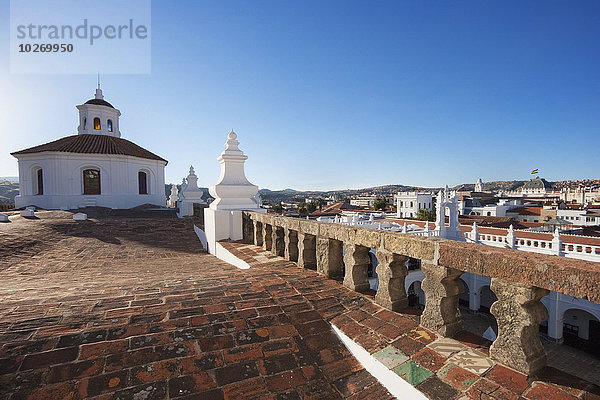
column 555, row 317
column 290, row 240
column 356, row 261
column 330, row 253
column 277, row 245
column 475, row 233
column 474, row 301
column 511, row 239
column 267, row 236
column 518, row 312
column 442, row 287
column 473, row 288
column 258, row 233
column 307, row 257
column 557, row 244
column 391, row 272
column 247, row 228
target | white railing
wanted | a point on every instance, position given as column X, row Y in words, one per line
column 534, row 245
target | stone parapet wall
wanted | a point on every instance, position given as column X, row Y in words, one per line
column 519, row 279
column 575, row 278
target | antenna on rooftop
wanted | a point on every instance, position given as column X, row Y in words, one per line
column 98, row 80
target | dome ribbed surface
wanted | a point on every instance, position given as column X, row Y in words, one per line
column 99, row 102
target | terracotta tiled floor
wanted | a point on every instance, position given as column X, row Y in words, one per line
column 134, row 309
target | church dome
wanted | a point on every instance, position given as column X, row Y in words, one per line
column 99, row 102
column 537, row 183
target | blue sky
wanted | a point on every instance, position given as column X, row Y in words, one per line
column 345, row 94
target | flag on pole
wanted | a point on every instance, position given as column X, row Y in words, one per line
column 535, row 171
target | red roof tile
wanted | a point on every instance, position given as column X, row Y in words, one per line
column 92, row 144
column 525, row 210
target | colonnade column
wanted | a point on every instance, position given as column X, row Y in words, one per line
column 277, row 245
column 442, row 287
column 258, row 233
column 267, row 236
column 307, row 257
column 290, row 239
column 518, row 312
column 356, row 261
column 330, row 257
column 391, row 272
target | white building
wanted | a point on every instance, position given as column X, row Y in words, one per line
column 363, row 201
column 92, row 168
column 580, row 217
column 479, row 187
column 474, row 207
column 580, row 195
column 409, row 203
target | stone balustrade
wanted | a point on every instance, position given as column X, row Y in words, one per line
column 519, row 279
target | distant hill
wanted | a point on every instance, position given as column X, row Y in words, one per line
column 205, row 195
column 388, row 191
column 8, row 191
column 494, row 186
column 9, row 188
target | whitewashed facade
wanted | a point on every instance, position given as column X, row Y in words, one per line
column 409, row 203
column 93, row 168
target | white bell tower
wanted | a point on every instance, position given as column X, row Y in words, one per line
column 98, row 117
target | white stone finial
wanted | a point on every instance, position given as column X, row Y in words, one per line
column 173, row 197
column 192, row 181
column 231, row 145
column 557, row 243
column 98, row 94
column 233, row 191
column 557, row 233
column 511, row 229
column 190, row 194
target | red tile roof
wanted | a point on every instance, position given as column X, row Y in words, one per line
column 92, row 144
column 525, row 210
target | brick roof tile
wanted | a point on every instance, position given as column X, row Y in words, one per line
column 92, row 144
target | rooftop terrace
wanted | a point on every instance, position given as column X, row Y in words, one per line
column 133, row 308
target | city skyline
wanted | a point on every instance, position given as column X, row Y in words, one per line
column 344, row 95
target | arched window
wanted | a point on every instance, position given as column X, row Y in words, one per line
column 97, row 123
column 84, row 123
column 109, row 125
column 91, row 181
column 143, row 182
column 40, row 181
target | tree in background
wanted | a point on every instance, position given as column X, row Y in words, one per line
column 278, row 208
column 320, row 203
column 379, row 204
column 425, row 215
